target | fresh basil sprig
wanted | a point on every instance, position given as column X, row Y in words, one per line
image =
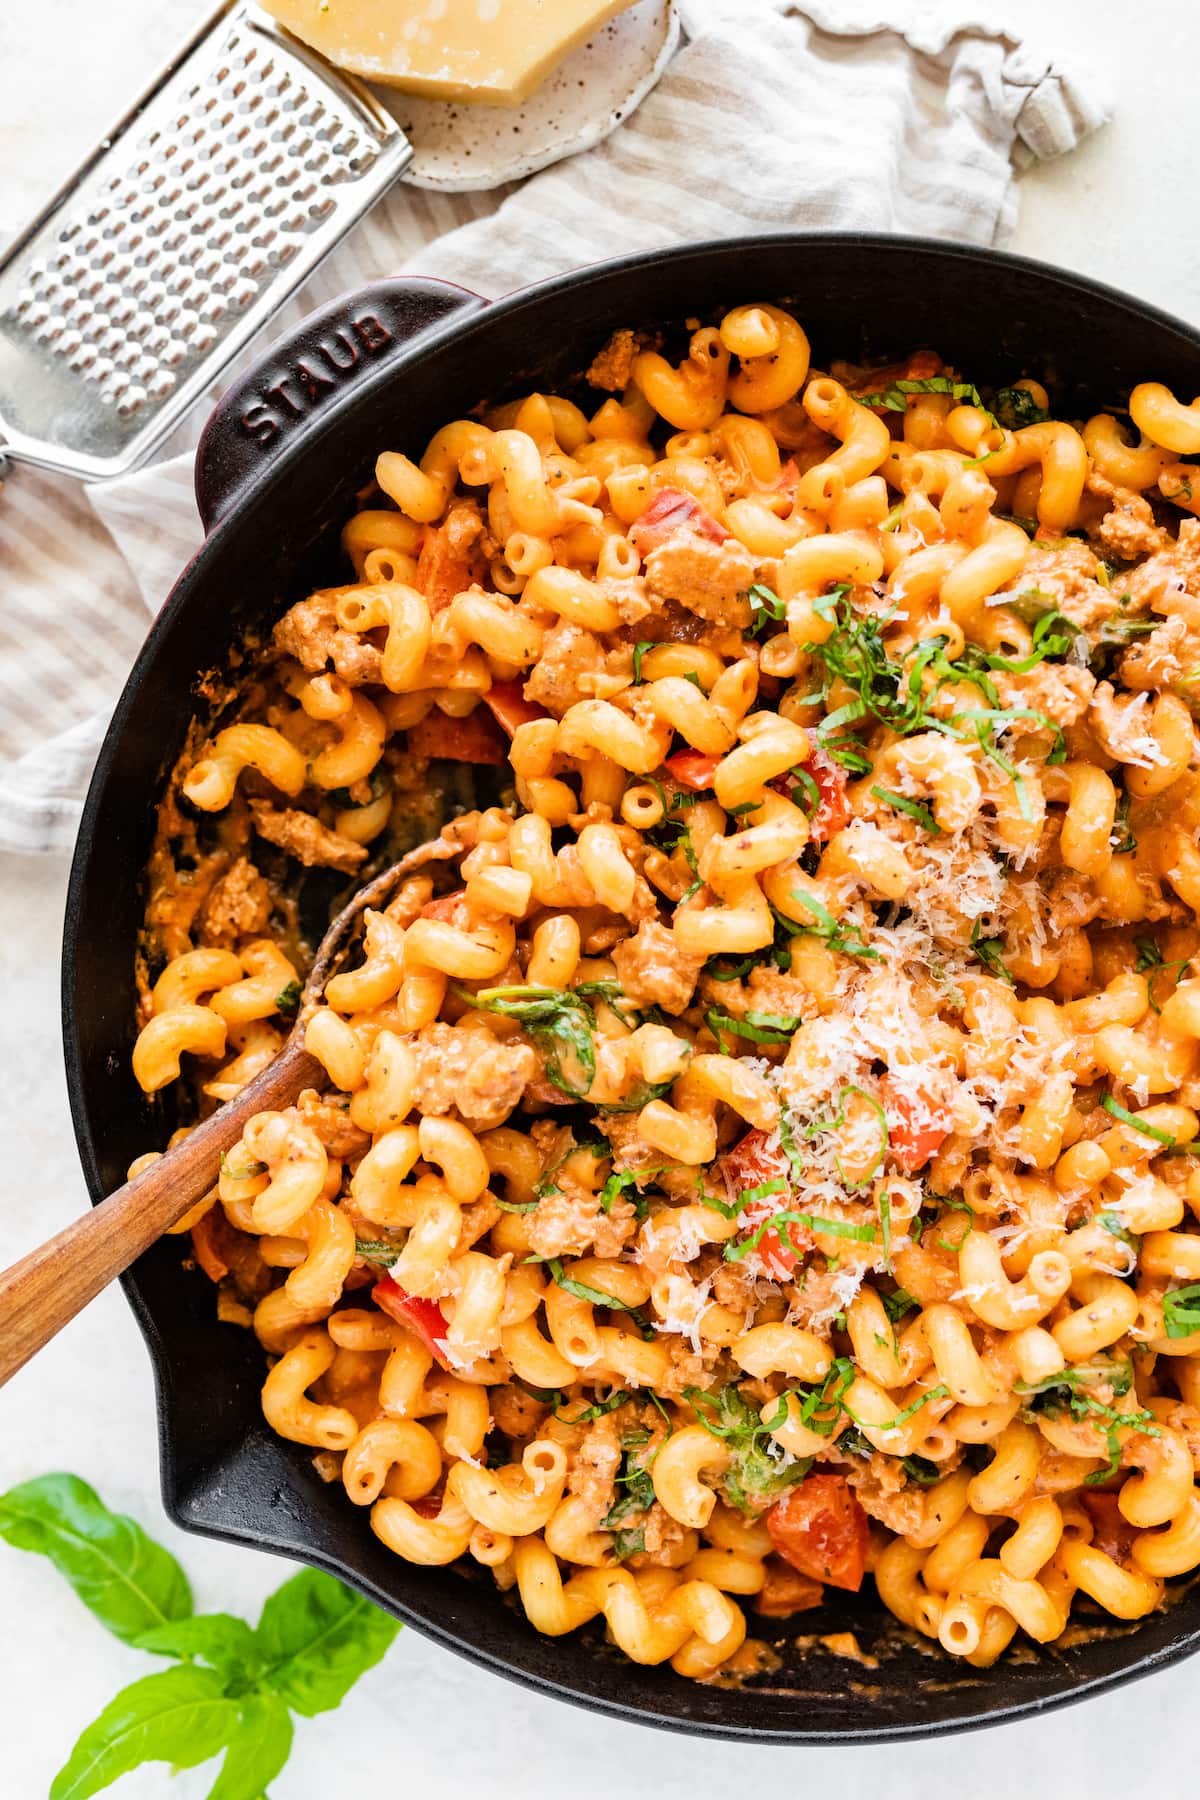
column 233, row 1688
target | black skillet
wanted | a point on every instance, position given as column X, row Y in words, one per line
column 276, row 476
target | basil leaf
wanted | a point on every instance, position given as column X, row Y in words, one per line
column 787, row 1142
column 180, row 1716
column 920, row 1470
column 836, row 1122
column 821, row 1407
column 596, row 1410
column 639, row 650
column 837, row 936
column 1121, row 838
column 621, row 1179
column 758, row 1469
column 760, row 1028
column 988, row 951
column 557, row 1021
column 129, row 1582
column 258, row 1749
column 913, row 808
column 379, row 1250
column 287, row 1000
column 862, row 1234
column 729, row 973
column 765, row 607
column 901, row 1418
column 316, row 1638
column 1016, row 407
column 226, row 1644
column 897, row 1304
column 595, row 1297
column 1181, row 1310
column 1127, row 1118
column 894, row 397
column 635, row 1477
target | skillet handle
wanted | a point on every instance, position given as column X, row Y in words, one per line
column 282, row 397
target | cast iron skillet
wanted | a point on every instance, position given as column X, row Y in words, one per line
column 276, row 475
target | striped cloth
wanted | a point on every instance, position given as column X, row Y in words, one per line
column 773, row 115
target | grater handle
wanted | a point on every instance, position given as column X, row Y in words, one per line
column 289, row 393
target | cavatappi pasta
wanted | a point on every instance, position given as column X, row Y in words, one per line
column 767, row 1151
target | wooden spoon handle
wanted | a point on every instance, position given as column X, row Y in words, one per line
column 44, row 1291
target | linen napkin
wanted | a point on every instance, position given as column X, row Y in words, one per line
column 773, row 115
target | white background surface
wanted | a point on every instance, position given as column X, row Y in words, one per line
column 424, row 1723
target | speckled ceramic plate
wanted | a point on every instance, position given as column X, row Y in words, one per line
column 459, row 147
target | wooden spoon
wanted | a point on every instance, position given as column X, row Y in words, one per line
column 44, row 1291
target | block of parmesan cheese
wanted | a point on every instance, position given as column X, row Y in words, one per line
column 496, row 51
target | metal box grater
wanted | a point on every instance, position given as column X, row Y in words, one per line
column 215, row 197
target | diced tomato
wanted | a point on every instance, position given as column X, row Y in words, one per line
column 917, row 1126
column 692, row 769
column 832, row 810
column 206, row 1245
column 450, row 907
column 789, row 476
column 509, row 707
column 474, row 739
column 785, row 1590
column 670, row 511
column 751, row 1164
column 442, row 573
column 820, row 1528
column 424, row 1318
column 1113, row 1532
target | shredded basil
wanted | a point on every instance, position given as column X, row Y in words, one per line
column 1016, row 408
column 1181, row 1310
column 862, row 1234
column 787, row 1140
column 894, row 398
column 1131, row 1119
column 988, row 952
column 766, row 608
column 247, row 1173
column 377, row 1250
column 596, row 1410
column 901, row 695
column 1121, row 838
column 757, row 1468
column 639, row 650
column 287, row 1000
column 618, row 1181
column 596, row 1296
column 559, row 1022
column 838, row 937
column 760, row 1028
column 738, row 971
column 1151, row 963
column 920, row 1470
column 913, row 808
column 819, row 1126
column 1064, row 1391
